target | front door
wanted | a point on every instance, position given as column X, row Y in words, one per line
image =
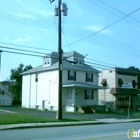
column 71, row 97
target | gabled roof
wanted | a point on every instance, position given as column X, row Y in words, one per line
column 66, row 65
column 2, row 87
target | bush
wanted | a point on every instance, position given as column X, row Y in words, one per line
column 16, row 102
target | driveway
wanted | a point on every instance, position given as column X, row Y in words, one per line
column 49, row 114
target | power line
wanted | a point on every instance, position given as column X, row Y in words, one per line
column 104, row 27
column 117, row 49
column 22, row 53
column 117, row 46
column 94, row 42
column 112, row 12
column 100, row 62
column 66, row 40
column 117, row 10
column 22, row 50
column 25, row 46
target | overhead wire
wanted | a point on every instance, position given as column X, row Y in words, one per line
column 21, row 53
column 94, row 42
column 122, row 50
column 22, row 50
column 119, row 11
column 112, row 12
column 105, row 27
column 66, row 40
column 26, row 46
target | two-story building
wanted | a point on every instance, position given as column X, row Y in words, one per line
column 79, row 83
column 122, row 89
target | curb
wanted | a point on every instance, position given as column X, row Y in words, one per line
column 61, row 124
column 41, row 125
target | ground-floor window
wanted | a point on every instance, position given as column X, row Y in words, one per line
column 89, row 95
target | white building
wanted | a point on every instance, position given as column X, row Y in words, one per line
column 79, row 82
column 121, row 85
column 5, row 96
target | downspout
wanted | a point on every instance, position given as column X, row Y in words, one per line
column 36, row 94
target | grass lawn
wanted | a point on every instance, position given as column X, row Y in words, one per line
column 25, row 118
column 136, row 114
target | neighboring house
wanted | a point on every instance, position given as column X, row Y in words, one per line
column 79, row 83
column 5, row 96
column 122, row 88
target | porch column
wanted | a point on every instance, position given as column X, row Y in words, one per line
column 74, row 96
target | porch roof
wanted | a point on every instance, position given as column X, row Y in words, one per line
column 83, row 85
column 125, row 91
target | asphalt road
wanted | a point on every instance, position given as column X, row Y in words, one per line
column 67, row 115
column 86, row 132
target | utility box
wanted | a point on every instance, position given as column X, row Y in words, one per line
column 56, row 11
column 64, row 9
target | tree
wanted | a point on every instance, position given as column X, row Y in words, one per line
column 137, row 70
column 16, row 79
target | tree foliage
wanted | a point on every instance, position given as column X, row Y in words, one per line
column 16, row 79
column 137, row 70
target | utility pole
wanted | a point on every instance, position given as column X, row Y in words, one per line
column 61, row 7
column 59, row 63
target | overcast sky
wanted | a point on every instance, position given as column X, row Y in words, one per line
column 107, row 31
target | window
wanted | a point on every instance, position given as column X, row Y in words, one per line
column 36, row 77
column 2, row 92
column 71, row 75
column 134, row 83
column 89, row 95
column 104, row 82
column 78, row 60
column 120, row 82
column 89, row 77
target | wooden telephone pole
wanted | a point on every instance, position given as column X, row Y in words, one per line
column 61, row 7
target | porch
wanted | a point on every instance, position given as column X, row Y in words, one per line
column 80, row 94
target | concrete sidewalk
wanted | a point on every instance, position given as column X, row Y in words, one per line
column 58, row 124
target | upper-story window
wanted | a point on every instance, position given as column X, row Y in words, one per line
column 78, row 60
column 46, row 61
column 72, row 75
column 120, row 82
column 134, row 83
column 89, row 77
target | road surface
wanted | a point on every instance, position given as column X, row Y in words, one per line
column 85, row 132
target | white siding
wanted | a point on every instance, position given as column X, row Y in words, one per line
column 80, row 77
column 46, row 89
column 25, row 90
